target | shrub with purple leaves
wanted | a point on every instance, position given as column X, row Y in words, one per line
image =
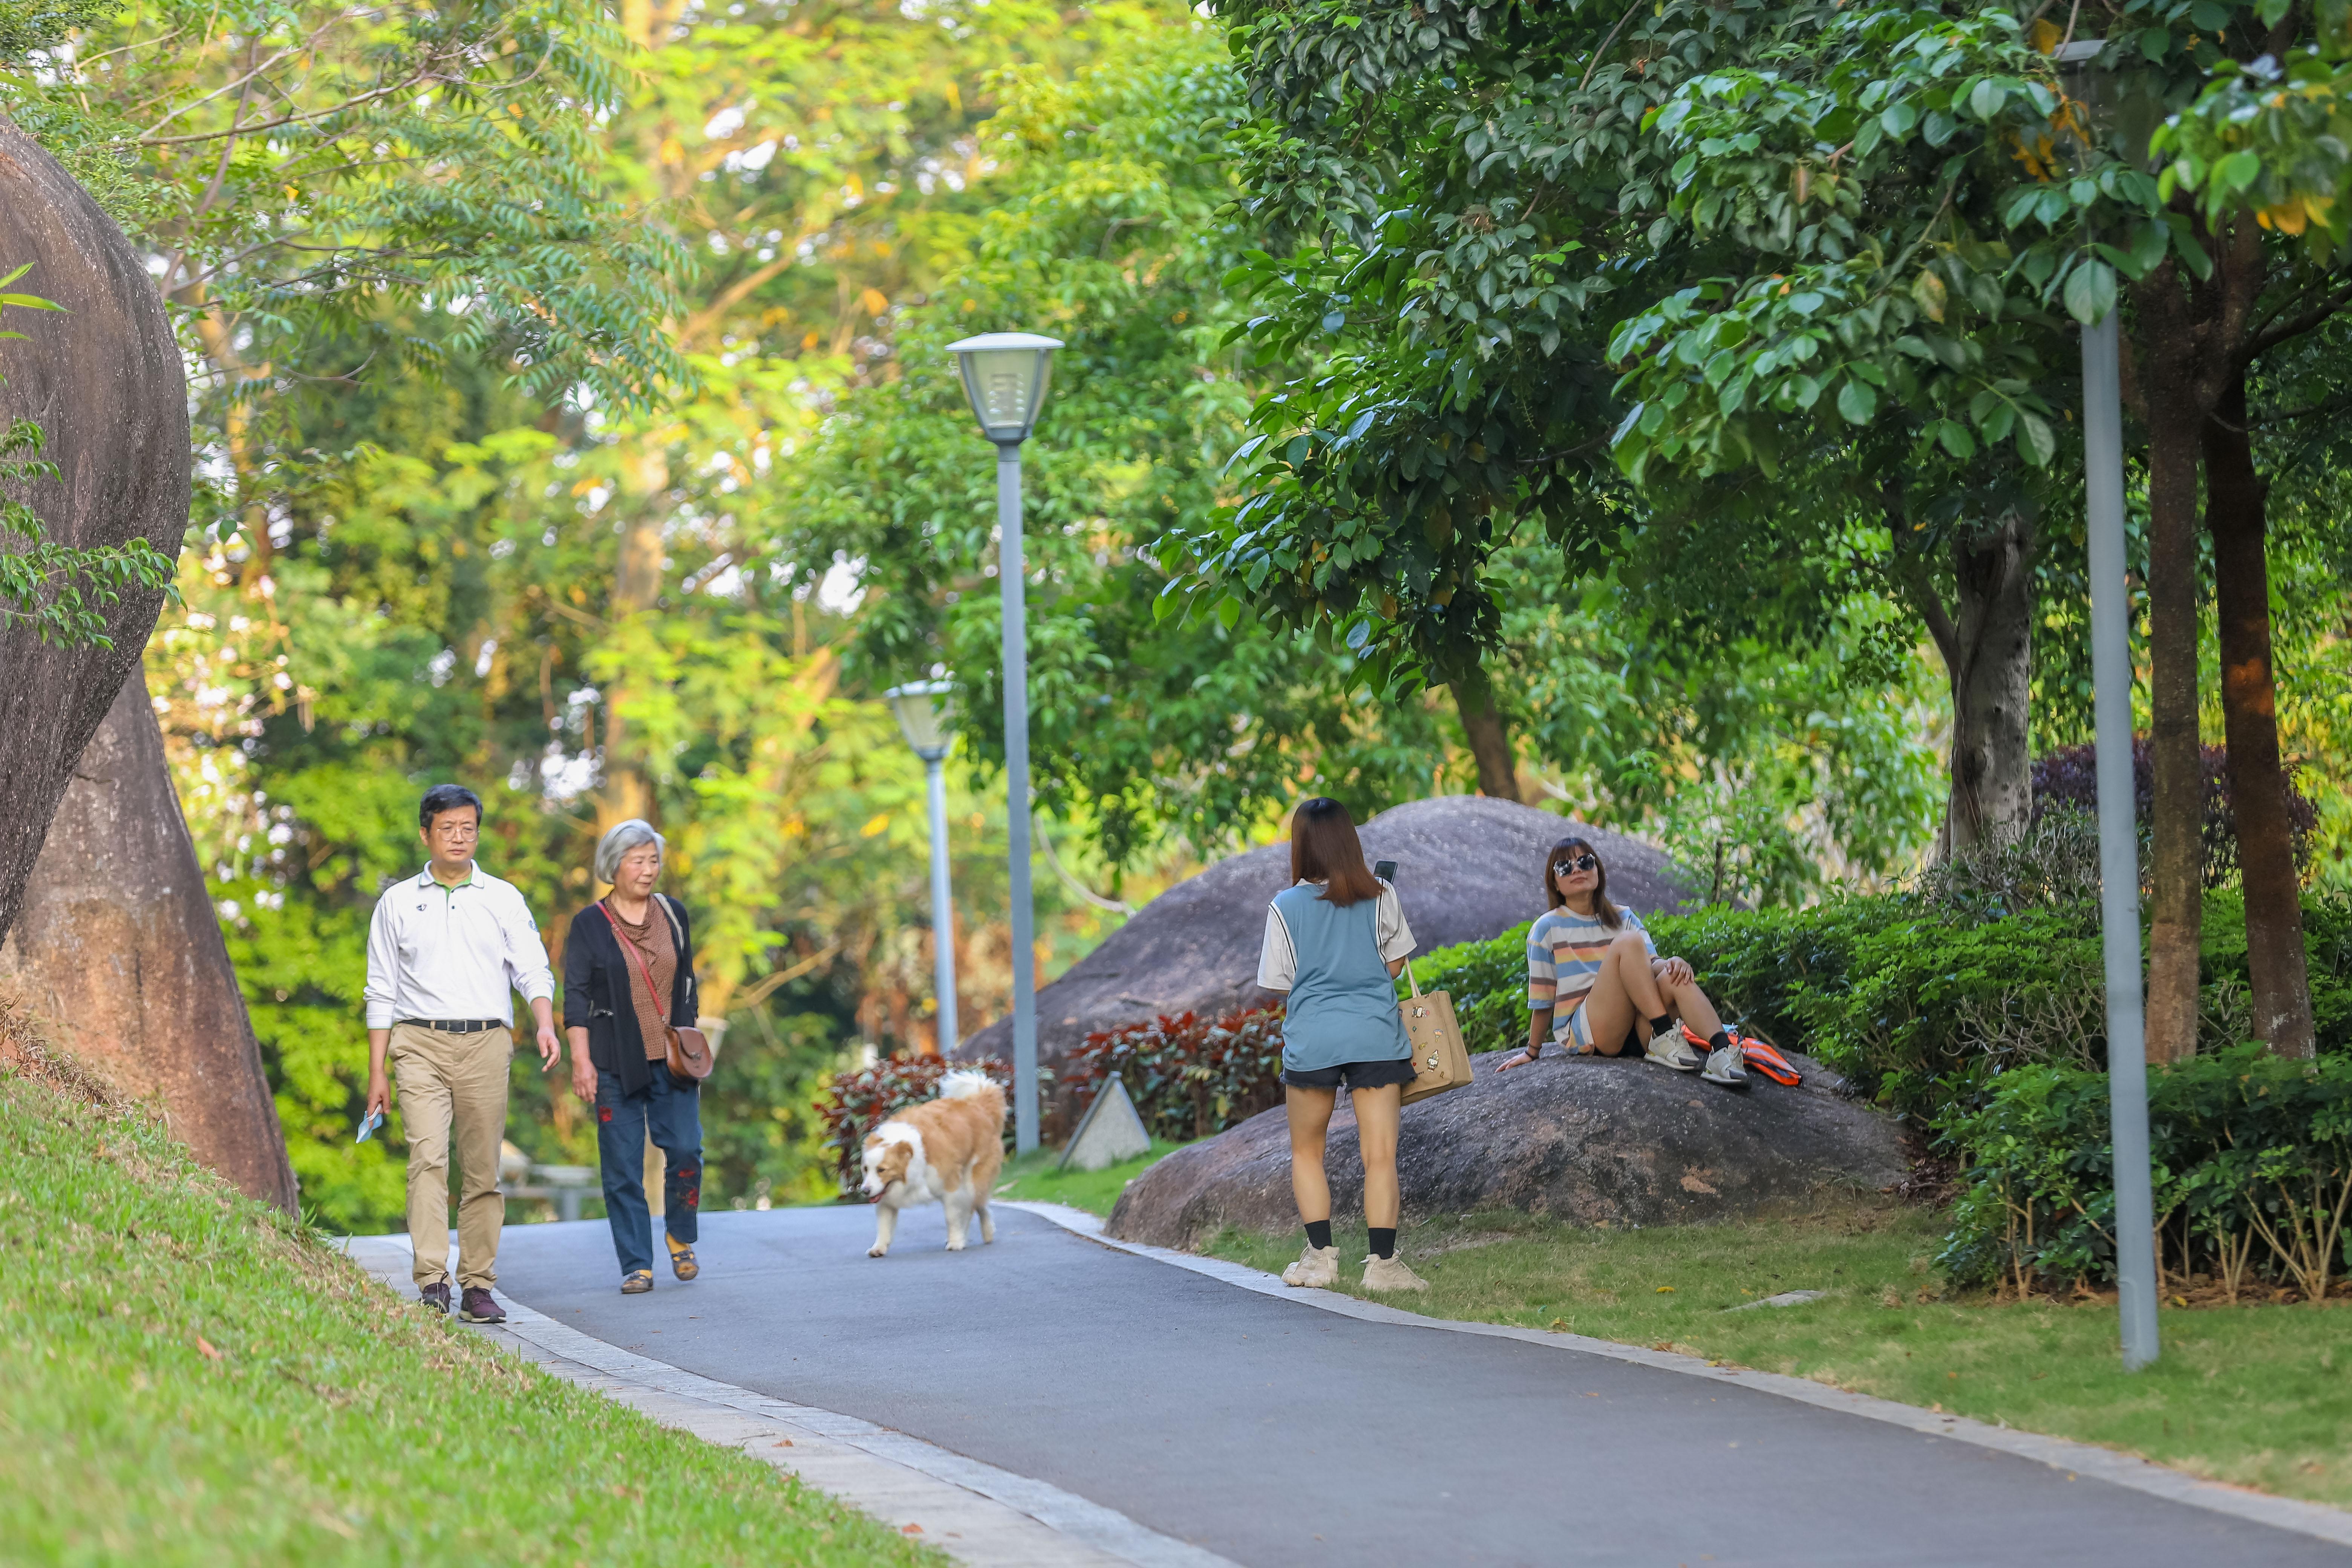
column 1189, row 1076
column 855, row 1103
column 2069, row 777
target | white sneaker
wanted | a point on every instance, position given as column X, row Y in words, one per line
column 1317, row 1267
column 1391, row 1274
column 1727, row 1065
column 1669, row 1049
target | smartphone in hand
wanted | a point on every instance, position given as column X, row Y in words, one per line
column 1385, row 870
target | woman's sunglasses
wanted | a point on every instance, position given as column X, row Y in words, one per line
column 1581, row 863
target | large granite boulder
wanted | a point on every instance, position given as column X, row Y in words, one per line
column 1469, row 868
column 103, row 379
column 1587, row 1140
column 118, row 949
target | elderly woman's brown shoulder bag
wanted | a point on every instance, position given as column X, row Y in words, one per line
column 690, row 1056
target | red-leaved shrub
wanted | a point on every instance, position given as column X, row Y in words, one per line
column 855, row 1103
column 1189, row 1076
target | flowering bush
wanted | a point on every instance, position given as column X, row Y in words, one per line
column 855, row 1103
column 1189, row 1076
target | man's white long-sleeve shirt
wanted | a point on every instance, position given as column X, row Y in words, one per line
column 452, row 952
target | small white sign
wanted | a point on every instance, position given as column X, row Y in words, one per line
column 1111, row 1131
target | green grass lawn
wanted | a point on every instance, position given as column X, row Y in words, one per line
column 2259, row 1395
column 1033, row 1176
column 189, row 1378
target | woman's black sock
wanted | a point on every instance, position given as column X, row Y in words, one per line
column 1718, row 1039
column 1318, row 1233
column 1384, row 1240
column 1661, row 1024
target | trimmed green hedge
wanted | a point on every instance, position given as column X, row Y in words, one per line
column 1919, row 1005
column 2252, row 1159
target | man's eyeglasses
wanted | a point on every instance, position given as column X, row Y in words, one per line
column 1581, row 863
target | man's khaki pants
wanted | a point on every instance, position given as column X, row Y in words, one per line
column 457, row 1080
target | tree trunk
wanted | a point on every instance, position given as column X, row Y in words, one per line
column 1987, row 646
column 2175, row 413
column 2234, row 516
column 120, row 952
column 104, row 379
column 1490, row 737
column 1992, row 778
column 636, row 588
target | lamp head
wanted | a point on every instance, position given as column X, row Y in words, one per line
column 1005, row 377
column 921, row 708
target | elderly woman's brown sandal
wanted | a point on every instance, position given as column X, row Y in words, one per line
column 637, row 1282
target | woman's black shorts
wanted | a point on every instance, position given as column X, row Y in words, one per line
column 1352, row 1075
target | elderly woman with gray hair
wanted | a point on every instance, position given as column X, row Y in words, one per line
column 628, row 973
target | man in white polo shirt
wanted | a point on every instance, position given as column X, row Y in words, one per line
column 448, row 949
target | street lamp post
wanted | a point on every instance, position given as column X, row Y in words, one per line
column 1005, row 377
column 921, row 708
column 2111, row 675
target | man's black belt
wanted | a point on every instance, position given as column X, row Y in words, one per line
column 455, row 1025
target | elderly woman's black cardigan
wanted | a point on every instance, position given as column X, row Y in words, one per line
column 597, row 993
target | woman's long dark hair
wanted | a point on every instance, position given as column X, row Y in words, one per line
column 1602, row 909
column 1324, row 849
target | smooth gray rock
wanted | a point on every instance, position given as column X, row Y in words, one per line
column 1785, row 1299
column 1469, row 868
column 1592, row 1141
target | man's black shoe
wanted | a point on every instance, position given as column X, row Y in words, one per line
column 435, row 1297
column 480, row 1307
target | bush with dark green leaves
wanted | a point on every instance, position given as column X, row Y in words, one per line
column 2252, row 1156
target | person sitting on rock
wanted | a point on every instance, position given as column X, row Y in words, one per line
column 1592, row 965
column 1334, row 942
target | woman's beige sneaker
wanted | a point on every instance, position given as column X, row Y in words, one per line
column 1391, row 1274
column 1669, row 1049
column 1317, row 1267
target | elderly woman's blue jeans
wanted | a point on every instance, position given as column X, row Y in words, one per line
column 671, row 1111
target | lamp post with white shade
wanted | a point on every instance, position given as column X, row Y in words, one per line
column 1005, row 377
column 921, row 708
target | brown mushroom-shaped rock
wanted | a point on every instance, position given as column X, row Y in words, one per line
column 1469, row 868
column 103, row 379
column 1590, row 1140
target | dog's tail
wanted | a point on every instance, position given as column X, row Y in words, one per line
column 968, row 1085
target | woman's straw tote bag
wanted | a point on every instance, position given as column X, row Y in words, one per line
column 1440, row 1060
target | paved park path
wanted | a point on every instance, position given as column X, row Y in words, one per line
column 1272, row 1434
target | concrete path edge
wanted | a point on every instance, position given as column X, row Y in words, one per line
column 973, row 1512
column 2059, row 1452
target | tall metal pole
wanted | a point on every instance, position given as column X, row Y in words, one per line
column 943, row 981
column 1011, row 574
column 2111, row 675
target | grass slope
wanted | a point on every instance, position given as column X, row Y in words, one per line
column 1033, row 1176
column 190, row 1378
column 2259, row 1396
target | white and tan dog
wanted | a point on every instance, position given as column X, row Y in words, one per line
column 946, row 1152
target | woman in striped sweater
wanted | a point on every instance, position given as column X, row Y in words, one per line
column 1593, row 967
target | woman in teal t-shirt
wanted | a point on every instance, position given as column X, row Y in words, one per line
column 1334, row 940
